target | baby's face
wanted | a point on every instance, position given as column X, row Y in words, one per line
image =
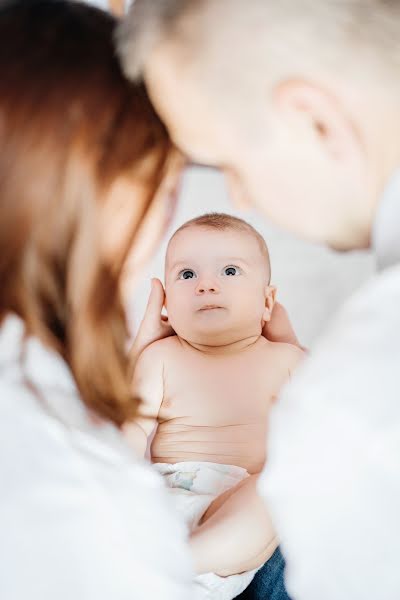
column 216, row 285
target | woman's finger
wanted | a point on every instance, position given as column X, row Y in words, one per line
column 155, row 302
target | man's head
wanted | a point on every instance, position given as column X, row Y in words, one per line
column 296, row 100
column 217, row 280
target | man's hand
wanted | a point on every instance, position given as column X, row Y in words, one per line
column 154, row 325
column 279, row 328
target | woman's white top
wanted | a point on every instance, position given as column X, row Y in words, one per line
column 81, row 518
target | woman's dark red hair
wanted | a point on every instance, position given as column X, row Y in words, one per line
column 70, row 126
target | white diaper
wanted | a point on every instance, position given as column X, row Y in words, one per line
column 194, row 485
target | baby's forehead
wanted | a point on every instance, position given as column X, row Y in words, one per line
column 199, row 243
column 192, row 236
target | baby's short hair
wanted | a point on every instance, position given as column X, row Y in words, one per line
column 223, row 222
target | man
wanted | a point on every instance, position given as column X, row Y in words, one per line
column 298, row 102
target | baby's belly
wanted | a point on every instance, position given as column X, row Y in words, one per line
column 242, row 445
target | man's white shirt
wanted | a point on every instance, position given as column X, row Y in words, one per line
column 332, row 481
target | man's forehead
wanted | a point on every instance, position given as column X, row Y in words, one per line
column 189, row 113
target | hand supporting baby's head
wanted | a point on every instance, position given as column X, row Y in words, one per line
column 217, row 281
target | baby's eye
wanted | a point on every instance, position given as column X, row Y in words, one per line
column 231, row 271
column 186, row 274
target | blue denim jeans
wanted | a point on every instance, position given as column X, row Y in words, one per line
column 268, row 584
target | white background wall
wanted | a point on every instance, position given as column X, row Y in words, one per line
column 312, row 281
column 105, row 4
column 100, row 3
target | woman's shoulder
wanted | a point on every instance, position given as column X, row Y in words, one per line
column 72, row 505
column 87, row 502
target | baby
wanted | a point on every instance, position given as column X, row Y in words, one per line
column 209, row 389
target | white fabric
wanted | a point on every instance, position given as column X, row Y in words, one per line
column 80, row 517
column 386, row 230
column 332, row 481
column 193, row 486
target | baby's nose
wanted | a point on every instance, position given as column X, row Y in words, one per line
column 204, row 287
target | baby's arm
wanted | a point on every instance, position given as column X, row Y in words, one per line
column 287, row 358
column 149, row 387
column 292, row 356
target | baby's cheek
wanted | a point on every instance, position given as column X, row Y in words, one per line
column 178, row 313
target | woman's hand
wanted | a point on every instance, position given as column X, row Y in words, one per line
column 154, row 325
column 279, row 328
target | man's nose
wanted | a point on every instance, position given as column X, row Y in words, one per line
column 205, row 286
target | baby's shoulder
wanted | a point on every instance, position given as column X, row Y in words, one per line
column 288, row 355
column 160, row 349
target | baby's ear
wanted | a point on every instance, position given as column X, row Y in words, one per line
column 270, row 295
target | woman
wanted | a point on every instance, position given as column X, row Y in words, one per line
column 82, row 155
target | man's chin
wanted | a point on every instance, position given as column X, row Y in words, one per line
column 343, row 246
column 348, row 237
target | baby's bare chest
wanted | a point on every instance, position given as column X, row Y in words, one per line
column 219, row 392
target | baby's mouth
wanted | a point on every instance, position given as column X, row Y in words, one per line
column 207, row 307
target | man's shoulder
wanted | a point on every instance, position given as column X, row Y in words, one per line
column 356, row 359
column 369, row 321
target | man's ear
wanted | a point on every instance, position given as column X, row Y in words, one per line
column 270, row 295
column 323, row 114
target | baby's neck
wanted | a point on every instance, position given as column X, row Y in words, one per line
column 230, row 348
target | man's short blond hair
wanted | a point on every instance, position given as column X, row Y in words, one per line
column 225, row 222
column 291, row 35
